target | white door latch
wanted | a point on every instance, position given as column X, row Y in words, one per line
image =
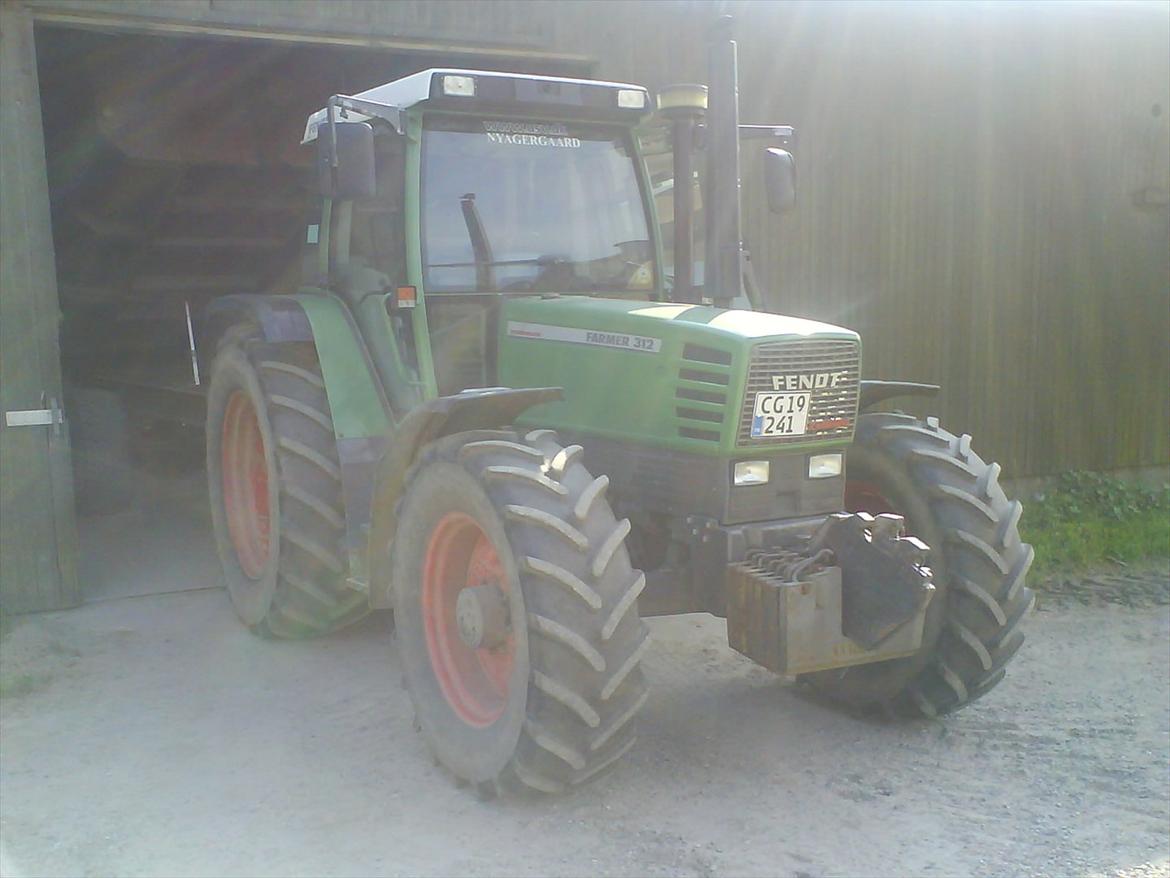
column 32, row 418
column 48, row 417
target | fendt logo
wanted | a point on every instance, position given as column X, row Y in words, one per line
column 811, row 381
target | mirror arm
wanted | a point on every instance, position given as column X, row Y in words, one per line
column 331, row 115
column 341, row 106
column 369, row 109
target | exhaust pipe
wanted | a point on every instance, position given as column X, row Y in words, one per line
column 684, row 106
column 723, row 268
column 710, row 115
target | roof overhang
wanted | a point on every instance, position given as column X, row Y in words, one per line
column 493, row 92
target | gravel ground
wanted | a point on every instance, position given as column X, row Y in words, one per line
column 154, row 736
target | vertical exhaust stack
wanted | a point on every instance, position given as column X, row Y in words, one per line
column 723, row 269
column 684, row 106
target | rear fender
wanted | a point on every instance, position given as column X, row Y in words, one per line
column 470, row 410
column 361, row 415
column 279, row 318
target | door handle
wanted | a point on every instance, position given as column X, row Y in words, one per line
column 50, row 416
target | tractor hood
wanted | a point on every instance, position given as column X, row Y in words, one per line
column 683, row 377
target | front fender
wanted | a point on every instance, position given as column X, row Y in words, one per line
column 873, row 392
column 444, row 416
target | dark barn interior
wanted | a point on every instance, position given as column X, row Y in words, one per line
column 176, row 175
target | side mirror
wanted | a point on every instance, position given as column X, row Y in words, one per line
column 780, row 180
column 353, row 177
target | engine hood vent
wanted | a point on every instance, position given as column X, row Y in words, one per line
column 701, row 392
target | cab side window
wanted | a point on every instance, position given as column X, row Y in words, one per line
column 378, row 239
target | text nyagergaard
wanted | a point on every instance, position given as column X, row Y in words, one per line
column 530, row 134
column 534, row 140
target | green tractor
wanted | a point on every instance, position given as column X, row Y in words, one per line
column 494, row 409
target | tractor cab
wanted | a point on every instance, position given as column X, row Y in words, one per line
column 448, row 192
column 461, row 188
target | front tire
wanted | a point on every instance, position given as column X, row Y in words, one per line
column 952, row 500
column 274, row 479
column 544, row 696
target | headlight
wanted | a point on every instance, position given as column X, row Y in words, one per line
column 460, row 86
column 750, row 472
column 824, row 466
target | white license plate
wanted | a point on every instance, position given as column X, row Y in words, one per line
column 780, row 414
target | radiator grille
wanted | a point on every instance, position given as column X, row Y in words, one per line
column 832, row 411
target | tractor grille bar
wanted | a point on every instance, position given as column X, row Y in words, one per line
column 832, row 410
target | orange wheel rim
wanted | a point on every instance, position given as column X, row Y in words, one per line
column 245, row 485
column 474, row 681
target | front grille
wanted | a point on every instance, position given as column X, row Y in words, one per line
column 832, row 411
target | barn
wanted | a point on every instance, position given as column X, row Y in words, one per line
column 985, row 196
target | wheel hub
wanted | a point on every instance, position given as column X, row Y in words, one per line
column 482, row 614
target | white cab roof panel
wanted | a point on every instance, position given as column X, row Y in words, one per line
column 416, row 88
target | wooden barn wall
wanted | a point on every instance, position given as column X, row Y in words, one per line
column 972, row 182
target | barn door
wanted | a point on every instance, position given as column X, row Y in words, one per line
column 38, row 542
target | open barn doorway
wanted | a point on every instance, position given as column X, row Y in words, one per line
column 175, row 175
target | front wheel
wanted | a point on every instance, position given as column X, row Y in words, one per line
column 951, row 499
column 515, row 612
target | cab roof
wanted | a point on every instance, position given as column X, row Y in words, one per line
column 492, row 91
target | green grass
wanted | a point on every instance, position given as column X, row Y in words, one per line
column 1089, row 519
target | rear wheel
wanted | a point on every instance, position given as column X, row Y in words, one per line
column 515, row 612
column 275, row 485
column 951, row 499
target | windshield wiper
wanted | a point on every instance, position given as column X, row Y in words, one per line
column 480, row 246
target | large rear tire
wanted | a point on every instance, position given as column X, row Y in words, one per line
column 544, row 696
column 952, row 500
column 275, row 484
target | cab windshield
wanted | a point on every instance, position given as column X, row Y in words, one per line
column 532, row 207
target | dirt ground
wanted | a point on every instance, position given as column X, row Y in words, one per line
column 155, row 736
